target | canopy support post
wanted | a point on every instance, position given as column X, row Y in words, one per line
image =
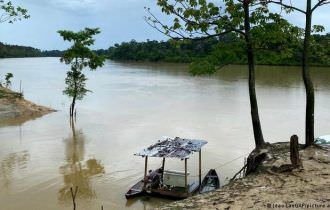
column 185, row 174
column 200, row 170
column 145, row 171
column 163, row 168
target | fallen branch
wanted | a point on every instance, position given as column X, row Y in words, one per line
column 239, row 172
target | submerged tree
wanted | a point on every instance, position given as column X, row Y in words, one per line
column 306, row 54
column 203, row 19
column 79, row 56
column 10, row 13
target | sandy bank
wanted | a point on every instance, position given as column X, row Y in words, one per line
column 16, row 110
column 272, row 190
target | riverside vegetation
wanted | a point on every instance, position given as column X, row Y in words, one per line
column 224, row 50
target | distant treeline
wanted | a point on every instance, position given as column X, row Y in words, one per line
column 228, row 49
column 166, row 51
column 16, row 51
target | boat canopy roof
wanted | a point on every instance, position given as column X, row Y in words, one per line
column 173, row 148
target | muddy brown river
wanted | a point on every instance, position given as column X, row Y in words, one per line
column 132, row 106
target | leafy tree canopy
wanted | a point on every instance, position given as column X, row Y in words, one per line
column 10, row 13
column 79, row 53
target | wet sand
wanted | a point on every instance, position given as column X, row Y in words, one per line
column 16, row 110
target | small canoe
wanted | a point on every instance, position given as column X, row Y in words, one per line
column 136, row 190
column 210, row 182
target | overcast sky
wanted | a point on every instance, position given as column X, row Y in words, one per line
column 119, row 20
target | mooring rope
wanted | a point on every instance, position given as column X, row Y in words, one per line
column 226, row 163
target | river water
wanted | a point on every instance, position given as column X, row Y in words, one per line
column 132, row 106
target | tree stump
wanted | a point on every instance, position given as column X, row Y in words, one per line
column 294, row 152
column 254, row 160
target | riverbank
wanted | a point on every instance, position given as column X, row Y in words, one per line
column 270, row 189
column 14, row 109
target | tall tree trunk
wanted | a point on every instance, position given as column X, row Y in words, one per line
column 258, row 136
column 310, row 98
column 73, row 103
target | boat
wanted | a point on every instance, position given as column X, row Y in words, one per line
column 169, row 183
column 136, row 190
column 210, row 182
column 323, row 141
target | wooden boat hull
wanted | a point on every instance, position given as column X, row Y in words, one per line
column 136, row 190
column 210, row 182
column 170, row 194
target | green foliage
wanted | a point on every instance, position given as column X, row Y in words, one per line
column 76, row 82
column 171, row 51
column 14, row 51
column 207, row 18
column 229, row 49
column 320, row 49
column 192, row 17
column 10, row 13
column 52, row 53
column 236, row 25
column 202, row 67
column 79, row 56
column 8, row 77
column 277, row 43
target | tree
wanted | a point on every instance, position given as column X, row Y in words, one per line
column 309, row 87
column 79, row 56
column 203, row 19
column 10, row 13
column 7, row 79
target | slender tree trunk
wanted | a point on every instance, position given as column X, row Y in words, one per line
column 258, row 136
column 310, row 98
column 73, row 103
column 72, row 110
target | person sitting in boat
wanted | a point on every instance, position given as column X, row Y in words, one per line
column 154, row 178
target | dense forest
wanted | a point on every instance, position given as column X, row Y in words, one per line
column 221, row 51
column 206, row 53
column 14, row 51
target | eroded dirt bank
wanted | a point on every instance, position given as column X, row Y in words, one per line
column 307, row 188
column 14, row 109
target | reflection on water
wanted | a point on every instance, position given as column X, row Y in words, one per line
column 76, row 171
column 9, row 163
column 19, row 121
column 143, row 201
